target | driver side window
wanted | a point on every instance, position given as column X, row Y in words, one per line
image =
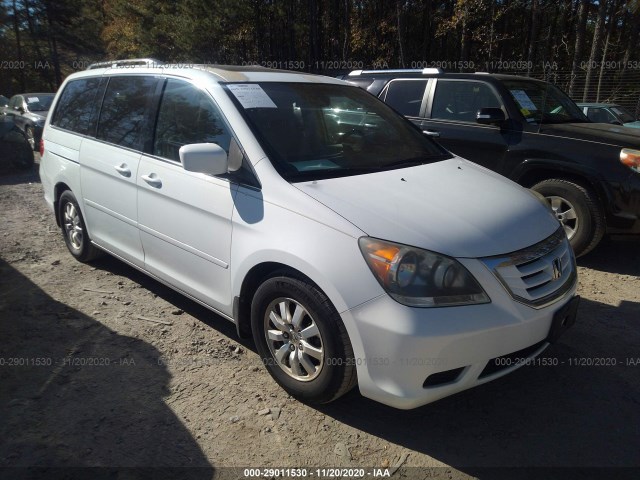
column 187, row 115
column 16, row 102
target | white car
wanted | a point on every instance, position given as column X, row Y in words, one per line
column 353, row 252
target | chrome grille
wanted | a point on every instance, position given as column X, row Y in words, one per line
column 538, row 275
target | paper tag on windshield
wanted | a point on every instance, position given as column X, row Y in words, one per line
column 251, row 95
column 32, row 99
column 523, row 99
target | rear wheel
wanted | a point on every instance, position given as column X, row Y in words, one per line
column 74, row 230
column 302, row 340
column 31, row 137
column 578, row 210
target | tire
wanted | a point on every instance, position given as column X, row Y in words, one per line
column 31, row 137
column 74, row 230
column 319, row 377
column 578, row 210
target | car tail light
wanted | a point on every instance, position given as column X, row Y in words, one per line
column 630, row 158
column 41, row 147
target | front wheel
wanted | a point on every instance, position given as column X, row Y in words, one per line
column 74, row 230
column 578, row 210
column 302, row 340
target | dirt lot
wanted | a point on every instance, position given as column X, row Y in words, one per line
column 103, row 367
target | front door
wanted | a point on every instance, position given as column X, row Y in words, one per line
column 184, row 217
column 451, row 115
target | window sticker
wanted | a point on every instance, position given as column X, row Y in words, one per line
column 523, row 99
column 32, row 99
column 251, row 95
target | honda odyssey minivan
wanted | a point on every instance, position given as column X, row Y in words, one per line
column 349, row 245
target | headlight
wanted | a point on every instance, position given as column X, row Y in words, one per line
column 630, row 158
column 420, row 278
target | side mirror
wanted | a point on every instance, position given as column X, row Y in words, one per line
column 207, row 158
column 490, row 116
column 615, row 122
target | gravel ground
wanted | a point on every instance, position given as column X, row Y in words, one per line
column 101, row 366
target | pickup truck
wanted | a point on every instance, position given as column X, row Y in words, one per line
column 531, row 132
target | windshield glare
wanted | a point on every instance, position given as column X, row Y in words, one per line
column 623, row 114
column 312, row 131
column 541, row 102
column 38, row 103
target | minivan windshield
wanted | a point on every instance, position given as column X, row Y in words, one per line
column 313, row 130
column 542, row 102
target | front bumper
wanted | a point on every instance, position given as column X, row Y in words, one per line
column 399, row 350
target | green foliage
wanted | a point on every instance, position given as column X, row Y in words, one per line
column 53, row 38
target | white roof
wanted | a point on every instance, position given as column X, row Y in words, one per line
column 218, row 73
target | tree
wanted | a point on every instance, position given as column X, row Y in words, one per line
column 581, row 28
column 595, row 48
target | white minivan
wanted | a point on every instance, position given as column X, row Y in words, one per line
column 351, row 246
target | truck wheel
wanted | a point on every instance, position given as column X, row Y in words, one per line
column 578, row 210
column 302, row 340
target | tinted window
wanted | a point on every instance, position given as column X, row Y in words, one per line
column 16, row 101
column 623, row 115
column 125, row 109
column 187, row 115
column 541, row 102
column 74, row 110
column 600, row 115
column 461, row 100
column 313, row 131
column 406, row 96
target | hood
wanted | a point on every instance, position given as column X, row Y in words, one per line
column 635, row 124
column 596, row 132
column 453, row 207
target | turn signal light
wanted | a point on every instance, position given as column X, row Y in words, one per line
column 630, row 158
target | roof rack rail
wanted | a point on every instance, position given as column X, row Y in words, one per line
column 133, row 62
column 398, row 70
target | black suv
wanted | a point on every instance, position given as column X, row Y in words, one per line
column 531, row 132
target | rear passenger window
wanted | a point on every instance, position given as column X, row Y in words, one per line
column 187, row 115
column 461, row 100
column 124, row 110
column 76, row 106
column 405, row 96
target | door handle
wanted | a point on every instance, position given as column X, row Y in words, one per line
column 431, row 133
column 123, row 170
column 152, row 179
